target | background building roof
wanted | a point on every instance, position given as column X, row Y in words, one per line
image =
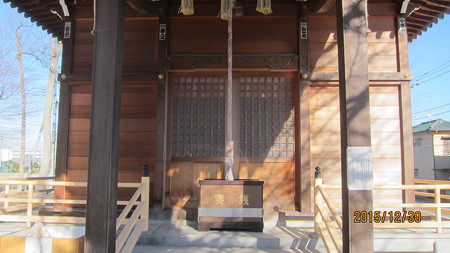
column 438, row 125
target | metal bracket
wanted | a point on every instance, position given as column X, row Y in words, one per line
column 162, row 31
column 67, row 29
column 303, row 30
column 402, row 25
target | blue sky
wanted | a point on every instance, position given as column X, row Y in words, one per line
column 429, row 58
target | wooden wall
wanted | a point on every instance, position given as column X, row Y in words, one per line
column 322, row 43
column 385, row 101
column 138, row 101
column 385, row 134
column 140, row 45
column 251, row 35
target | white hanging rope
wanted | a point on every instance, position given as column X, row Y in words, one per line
column 229, row 134
column 95, row 14
column 230, row 82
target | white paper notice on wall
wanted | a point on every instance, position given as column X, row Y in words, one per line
column 359, row 168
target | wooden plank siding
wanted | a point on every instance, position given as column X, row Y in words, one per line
column 382, row 44
column 137, row 131
column 138, row 101
column 385, row 134
column 251, row 35
column 140, row 45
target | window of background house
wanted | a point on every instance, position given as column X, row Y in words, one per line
column 446, row 145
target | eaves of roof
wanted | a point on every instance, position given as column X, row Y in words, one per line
column 48, row 14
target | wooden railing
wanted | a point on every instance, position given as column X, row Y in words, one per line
column 329, row 229
column 416, row 208
column 328, row 221
column 14, row 201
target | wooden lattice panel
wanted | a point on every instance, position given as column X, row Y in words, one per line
column 266, row 117
column 198, row 117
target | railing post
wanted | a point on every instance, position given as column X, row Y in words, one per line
column 145, row 197
column 437, row 201
column 30, row 204
column 317, row 198
column 6, row 204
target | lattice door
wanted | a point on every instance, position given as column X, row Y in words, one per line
column 198, row 117
column 266, row 117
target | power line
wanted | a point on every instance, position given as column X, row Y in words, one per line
column 434, row 77
column 448, row 71
column 433, row 115
column 431, row 109
column 436, row 69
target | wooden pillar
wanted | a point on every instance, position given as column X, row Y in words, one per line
column 64, row 111
column 306, row 193
column 357, row 171
column 405, row 110
column 161, row 104
column 406, row 141
column 303, row 147
column 104, row 129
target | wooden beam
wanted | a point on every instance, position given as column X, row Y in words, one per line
column 210, row 9
column 406, row 141
column 304, row 148
column 430, row 14
column 355, row 124
column 419, row 23
column 435, row 9
column 128, row 77
column 436, row 3
column 104, row 129
column 416, row 27
column 16, row 4
column 287, row 62
column 64, row 116
column 85, row 12
column 161, row 104
column 405, row 116
column 304, row 192
column 415, row 16
column 373, row 76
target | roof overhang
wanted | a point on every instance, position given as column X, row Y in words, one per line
column 49, row 14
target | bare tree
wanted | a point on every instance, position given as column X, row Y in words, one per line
column 35, row 52
column 55, row 51
column 8, row 87
column 19, row 54
column 23, row 55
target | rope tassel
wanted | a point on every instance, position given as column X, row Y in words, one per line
column 226, row 9
column 264, row 7
column 187, row 7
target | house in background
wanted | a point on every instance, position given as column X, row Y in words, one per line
column 432, row 150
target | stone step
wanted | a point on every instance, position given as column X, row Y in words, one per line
column 413, row 241
column 283, row 232
column 165, row 249
column 185, row 234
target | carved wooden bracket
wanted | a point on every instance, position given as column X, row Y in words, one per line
column 272, row 62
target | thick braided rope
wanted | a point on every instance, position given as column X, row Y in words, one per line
column 230, row 82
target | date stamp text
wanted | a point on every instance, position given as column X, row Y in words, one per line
column 387, row 216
